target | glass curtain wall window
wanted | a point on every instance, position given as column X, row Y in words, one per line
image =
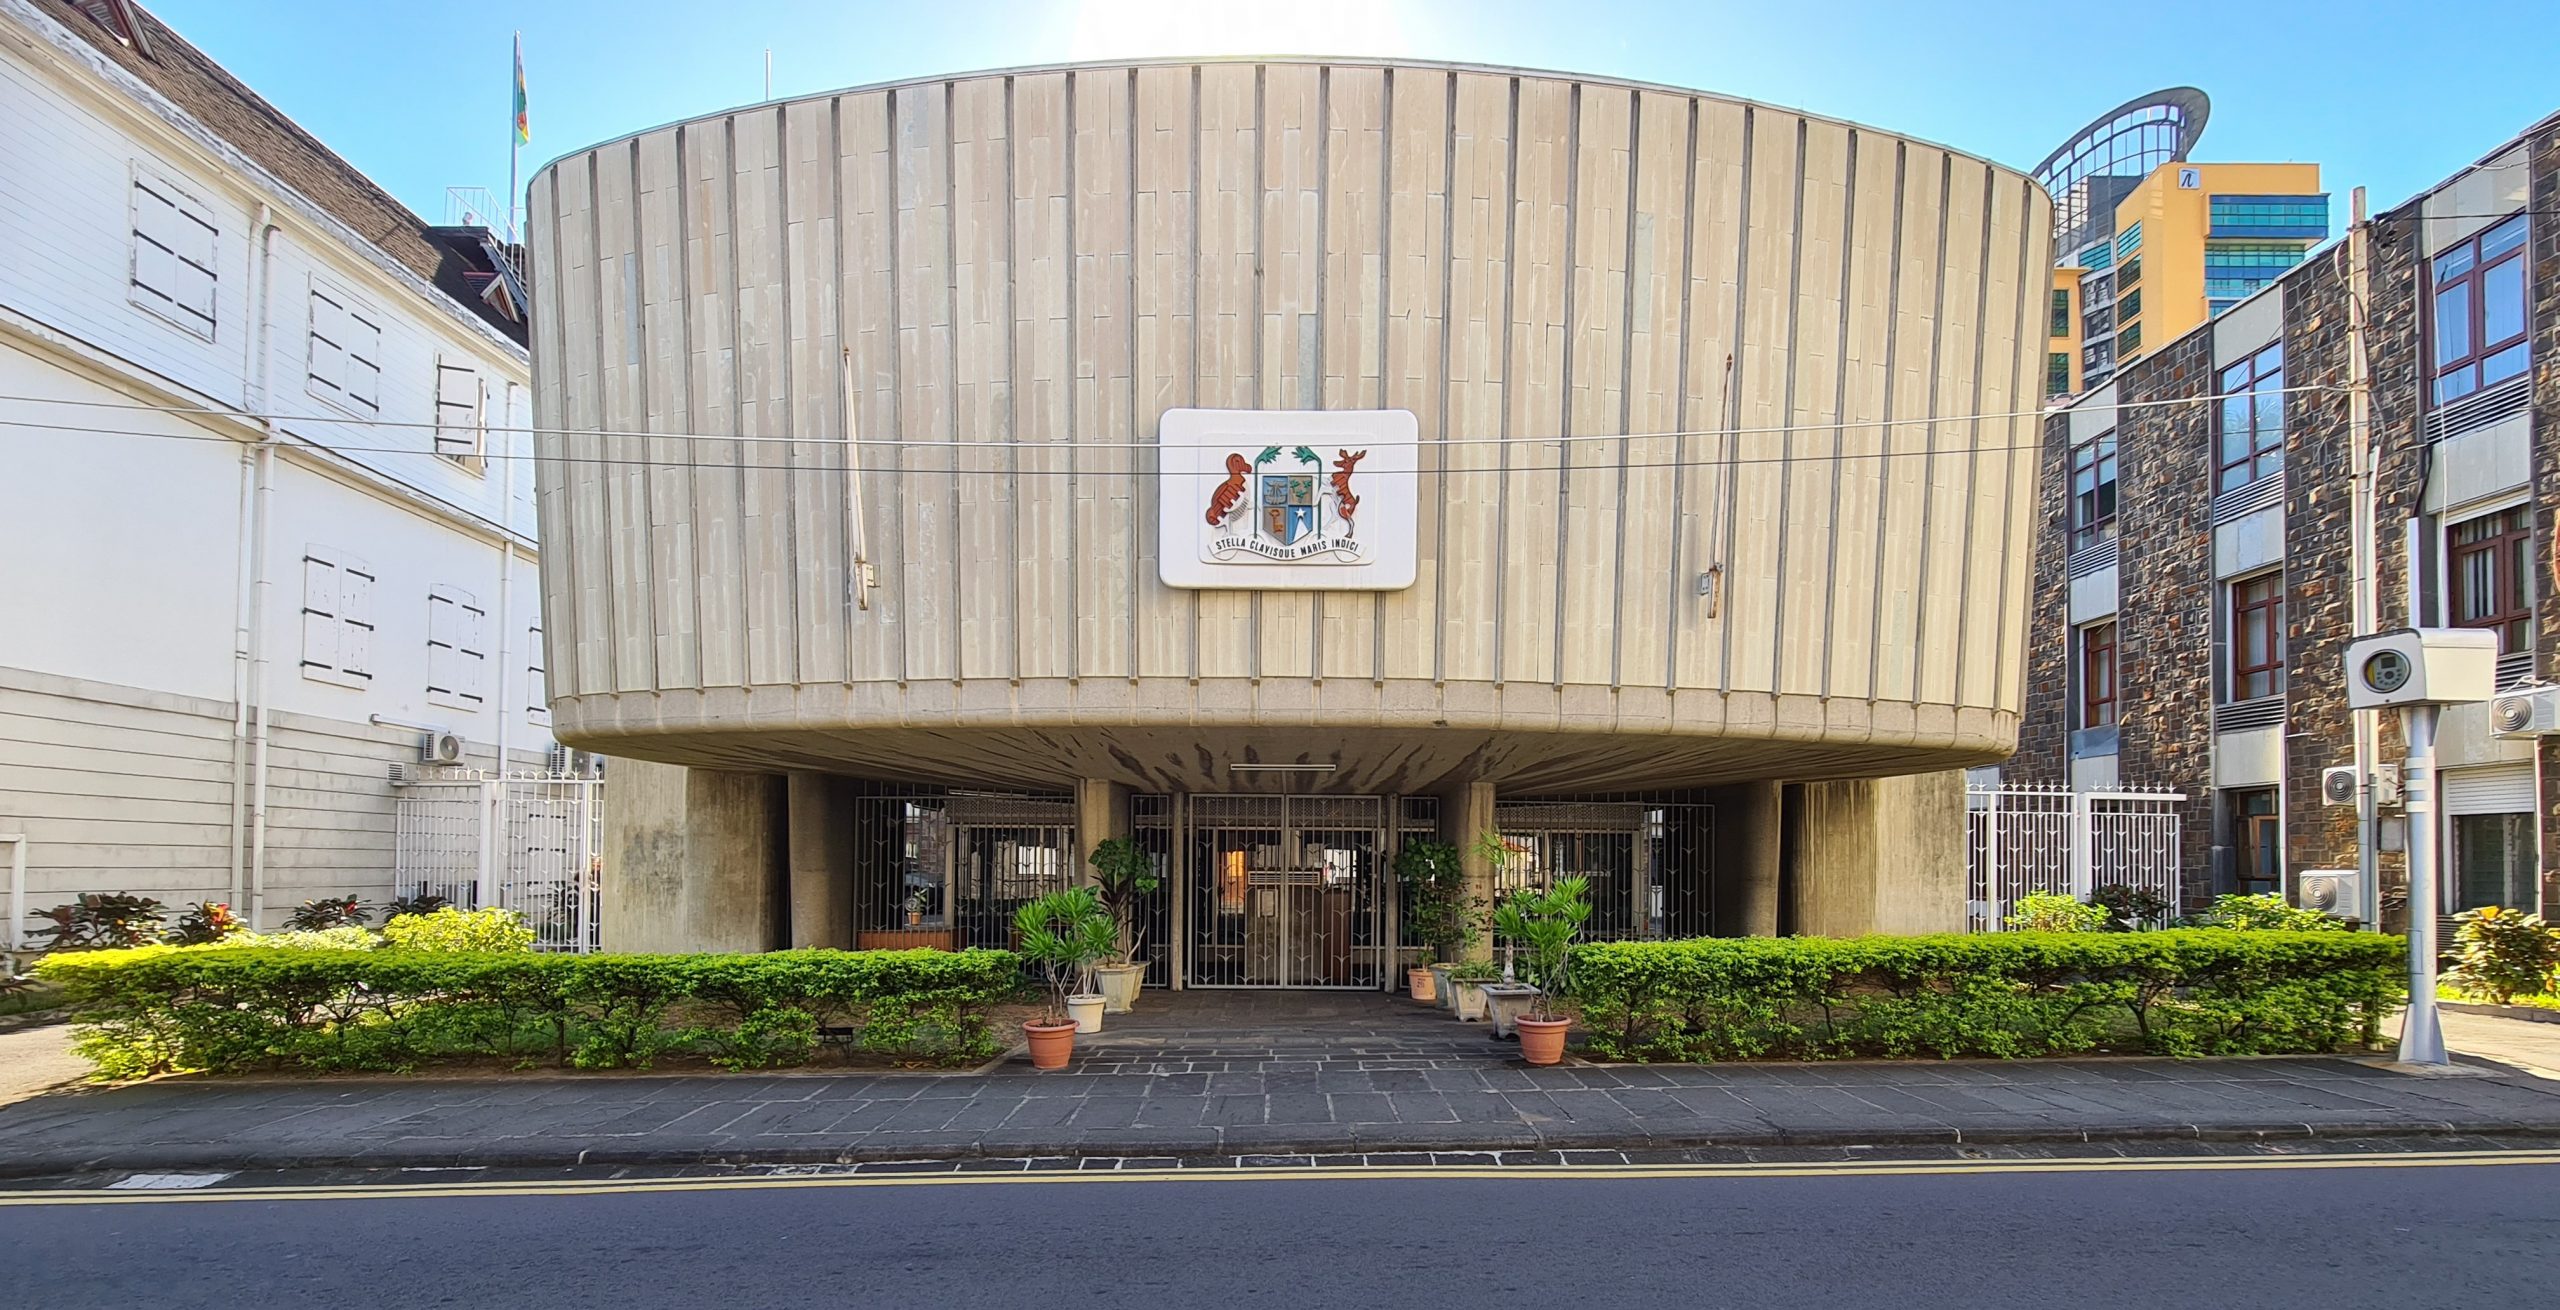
column 2098, row 676
column 2257, row 637
column 2252, row 420
column 2093, row 493
column 2486, row 563
column 2479, row 311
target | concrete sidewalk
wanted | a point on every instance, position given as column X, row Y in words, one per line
column 1364, row 1078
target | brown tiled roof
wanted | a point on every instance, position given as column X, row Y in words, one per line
column 204, row 89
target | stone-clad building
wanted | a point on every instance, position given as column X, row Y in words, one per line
column 2195, row 577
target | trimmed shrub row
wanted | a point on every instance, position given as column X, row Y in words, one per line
column 156, row 1009
column 2179, row 992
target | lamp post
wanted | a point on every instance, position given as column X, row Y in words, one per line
column 2418, row 671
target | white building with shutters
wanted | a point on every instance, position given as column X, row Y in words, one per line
column 270, row 522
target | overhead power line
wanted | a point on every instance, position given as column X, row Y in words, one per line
column 1018, row 443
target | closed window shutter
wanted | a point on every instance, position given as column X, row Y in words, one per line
column 440, row 675
column 455, row 646
column 328, row 355
column 364, row 361
column 319, row 613
column 355, row 619
column 472, row 653
column 537, row 687
column 458, row 402
column 2495, row 789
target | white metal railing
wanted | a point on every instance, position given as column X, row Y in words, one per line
column 2022, row 841
column 539, row 857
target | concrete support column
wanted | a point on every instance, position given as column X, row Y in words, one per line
column 1882, row 855
column 693, row 860
column 1466, row 814
column 1102, row 813
column 1749, row 820
column 821, row 836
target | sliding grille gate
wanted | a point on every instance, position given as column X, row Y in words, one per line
column 1647, row 862
column 1288, row 891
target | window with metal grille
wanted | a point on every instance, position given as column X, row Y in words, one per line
column 2098, row 676
column 2130, row 273
column 2057, row 373
column 2251, row 441
column 173, row 272
column 2061, row 313
column 457, row 650
column 346, row 353
column 337, row 617
column 2486, row 562
column 461, row 409
column 2093, row 492
column 2479, row 327
column 2257, row 636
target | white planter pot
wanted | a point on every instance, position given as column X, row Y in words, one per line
column 1507, row 1002
column 1440, row 988
column 1120, row 984
column 1470, row 1001
column 1087, row 1012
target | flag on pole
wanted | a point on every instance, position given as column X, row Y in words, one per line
column 524, row 125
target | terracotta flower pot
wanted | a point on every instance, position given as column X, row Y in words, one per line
column 1419, row 981
column 1542, row 1040
column 1051, row 1044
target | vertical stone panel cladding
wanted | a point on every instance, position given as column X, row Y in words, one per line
column 2044, row 730
column 2542, row 290
column 2164, row 631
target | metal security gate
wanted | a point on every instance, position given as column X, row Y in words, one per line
column 1647, row 861
column 1288, row 891
column 2026, row 841
column 540, row 858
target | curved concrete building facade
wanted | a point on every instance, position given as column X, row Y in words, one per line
column 1721, row 465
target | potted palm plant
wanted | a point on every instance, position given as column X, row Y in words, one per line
column 1542, row 926
column 1434, row 881
column 1061, row 935
column 1123, row 877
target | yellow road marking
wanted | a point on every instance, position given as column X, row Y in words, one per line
column 1513, row 1173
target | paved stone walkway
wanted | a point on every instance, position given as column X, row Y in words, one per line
column 1226, row 1077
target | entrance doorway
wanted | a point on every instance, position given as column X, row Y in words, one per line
column 1287, row 891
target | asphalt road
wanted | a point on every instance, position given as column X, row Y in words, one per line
column 2366, row 1234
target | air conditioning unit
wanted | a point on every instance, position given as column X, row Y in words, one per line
column 2534, row 713
column 2338, row 785
column 440, row 748
column 2338, row 892
column 558, row 759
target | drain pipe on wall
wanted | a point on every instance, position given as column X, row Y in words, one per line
column 2364, row 601
column 261, row 513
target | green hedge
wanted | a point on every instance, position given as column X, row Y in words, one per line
column 157, row 1009
column 2207, row 991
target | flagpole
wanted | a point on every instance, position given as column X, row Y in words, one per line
column 515, row 141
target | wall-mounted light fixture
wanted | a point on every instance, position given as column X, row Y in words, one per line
column 1711, row 589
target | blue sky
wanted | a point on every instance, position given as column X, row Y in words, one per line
column 417, row 95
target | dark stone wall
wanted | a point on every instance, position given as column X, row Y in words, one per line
column 2165, row 593
column 2543, row 288
column 2319, row 521
column 2044, row 731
